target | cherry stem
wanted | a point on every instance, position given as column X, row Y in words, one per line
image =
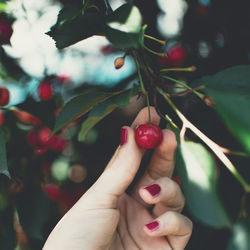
column 211, row 144
column 155, row 39
column 154, row 52
column 188, row 69
column 144, row 92
column 183, row 84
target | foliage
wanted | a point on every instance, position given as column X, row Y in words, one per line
column 224, row 93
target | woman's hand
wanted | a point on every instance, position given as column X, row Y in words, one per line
column 148, row 218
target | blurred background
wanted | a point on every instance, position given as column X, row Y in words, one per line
column 48, row 177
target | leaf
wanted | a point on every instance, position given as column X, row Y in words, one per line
column 44, row 111
column 71, row 29
column 230, row 90
column 103, row 109
column 196, row 168
column 123, row 27
column 34, row 209
column 3, row 158
column 240, row 239
column 79, row 106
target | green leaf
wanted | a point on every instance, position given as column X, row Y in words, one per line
column 3, row 158
column 196, row 168
column 72, row 26
column 123, row 27
column 240, row 239
column 101, row 110
column 34, row 210
column 79, row 106
column 230, row 90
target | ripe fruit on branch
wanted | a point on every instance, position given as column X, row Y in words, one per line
column 148, row 136
column 5, row 31
column 45, row 91
column 176, row 55
column 119, row 62
column 4, row 96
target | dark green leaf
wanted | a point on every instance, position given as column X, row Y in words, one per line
column 71, row 31
column 101, row 110
column 196, row 168
column 7, row 232
column 240, row 239
column 123, row 27
column 3, row 157
column 79, row 106
column 230, row 90
column 44, row 111
column 34, row 209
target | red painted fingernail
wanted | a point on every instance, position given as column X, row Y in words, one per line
column 152, row 226
column 123, row 136
column 153, row 189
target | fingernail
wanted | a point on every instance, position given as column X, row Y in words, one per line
column 152, row 226
column 123, row 136
column 153, row 189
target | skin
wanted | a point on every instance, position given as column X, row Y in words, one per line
column 106, row 217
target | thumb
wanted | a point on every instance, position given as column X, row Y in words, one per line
column 118, row 174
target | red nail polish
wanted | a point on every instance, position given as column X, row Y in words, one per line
column 153, row 189
column 123, row 136
column 152, row 226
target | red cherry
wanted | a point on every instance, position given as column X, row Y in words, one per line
column 27, row 118
column 58, row 144
column 32, row 137
column 5, row 31
column 43, row 135
column 148, row 136
column 4, row 96
column 52, row 191
column 45, row 91
column 176, row 55
column 1, row 118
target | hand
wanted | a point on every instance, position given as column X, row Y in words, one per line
column 106, row 217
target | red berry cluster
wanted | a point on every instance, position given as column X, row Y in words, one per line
column 41, row 143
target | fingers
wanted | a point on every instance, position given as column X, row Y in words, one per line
column 165, row 194
column 161, row 163
column 176, row 227
column 118, row 174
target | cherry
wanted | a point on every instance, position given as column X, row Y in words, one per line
column 4, row 96
column 58, row 144
column 27, row 118
column 5, row 31
column 148, row 136
column 1, row 118
column 45, row 91
column 176, row 55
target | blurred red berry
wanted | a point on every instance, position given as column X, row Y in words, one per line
column 27, row 118
column 4, row 96
column 45, row 91
column 5, row 31
column 176, row 55
column 1, row 118
column 43, row 135
column 58, row 144
column 52, row 191
column 32, row 137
